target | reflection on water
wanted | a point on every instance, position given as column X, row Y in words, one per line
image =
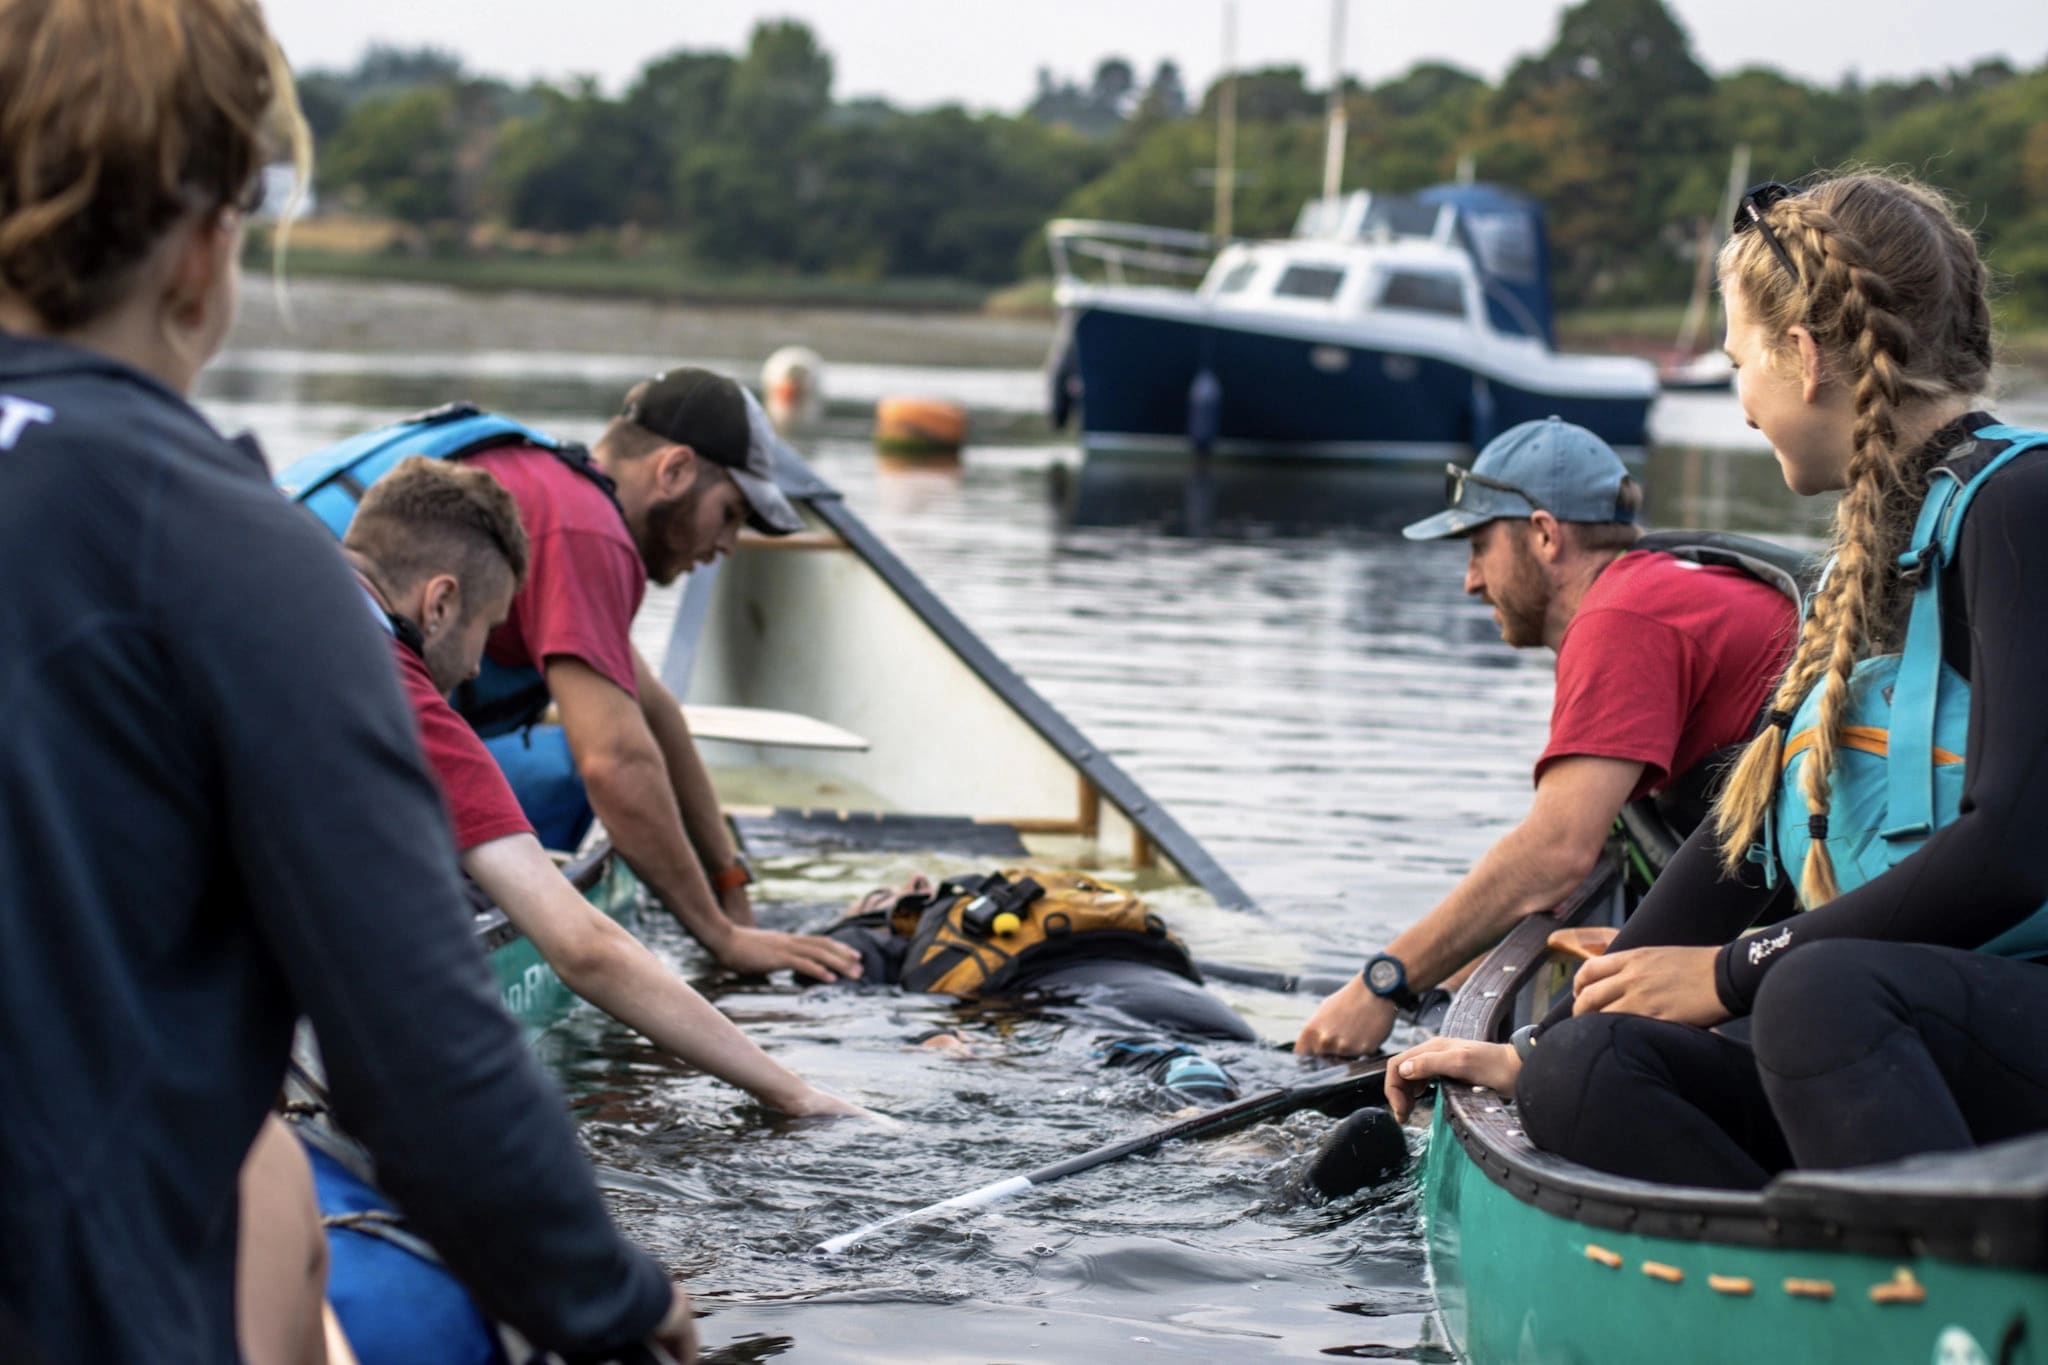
column 1326, row 711
column 1689, row 486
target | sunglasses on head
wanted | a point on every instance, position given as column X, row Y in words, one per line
column 1749, row 213
column 1457, row 479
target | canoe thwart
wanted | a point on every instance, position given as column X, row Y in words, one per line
column 755, row 725
column 1583, row 944
column 770, row 728
column 1902, row 1287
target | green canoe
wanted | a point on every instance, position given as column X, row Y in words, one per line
column 532, row 993
column 1938, row 1260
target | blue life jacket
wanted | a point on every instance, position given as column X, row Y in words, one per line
column 1898, row 771
column 331, row 482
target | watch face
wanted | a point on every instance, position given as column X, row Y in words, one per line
column 1383, row 976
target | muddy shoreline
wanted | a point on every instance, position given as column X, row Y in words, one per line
column 333, row 315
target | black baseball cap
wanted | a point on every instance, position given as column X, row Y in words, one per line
column 722, row 422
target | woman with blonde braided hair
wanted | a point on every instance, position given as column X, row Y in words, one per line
column 213, row 816
column 1883, row 826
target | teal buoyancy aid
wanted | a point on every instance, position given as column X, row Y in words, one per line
column 1898, row 771
column 330, row 483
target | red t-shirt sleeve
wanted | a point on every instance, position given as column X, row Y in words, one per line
column 581, row 591
column 481, row 806
column 1623, row 684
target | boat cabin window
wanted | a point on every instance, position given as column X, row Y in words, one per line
column 1420, row 291
column 1240, row 275
column 1310, row 282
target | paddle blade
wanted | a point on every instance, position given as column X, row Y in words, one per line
column 1366, row 1150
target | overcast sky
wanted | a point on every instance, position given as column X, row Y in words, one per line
column 985, row 53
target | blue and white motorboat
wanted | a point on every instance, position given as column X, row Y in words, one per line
column 1386, row 327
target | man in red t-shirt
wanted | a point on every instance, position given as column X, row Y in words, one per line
column 439, row 551
column 686, row 462
column 1661, row 662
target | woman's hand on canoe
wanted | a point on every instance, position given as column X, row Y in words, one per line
column 1494, row 1065
column 1660, row 983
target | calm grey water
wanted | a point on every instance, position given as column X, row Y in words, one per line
column 1326, row 711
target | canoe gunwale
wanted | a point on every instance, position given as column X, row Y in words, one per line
column 1988, row 1206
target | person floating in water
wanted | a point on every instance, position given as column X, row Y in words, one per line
column 1038, row 935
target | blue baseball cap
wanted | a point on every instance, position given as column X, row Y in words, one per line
column 1563, row 469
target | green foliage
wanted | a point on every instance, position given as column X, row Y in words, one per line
column 1791, row 129
column 576, row 165
column 1975, row 147
column 397, row 153
column 742, row 163
column 781, row 88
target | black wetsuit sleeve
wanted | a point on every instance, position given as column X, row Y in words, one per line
column 1693, row 905
column 1987, row 870
column 342, row 849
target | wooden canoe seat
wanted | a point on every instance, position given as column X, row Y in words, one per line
column 1582, row 944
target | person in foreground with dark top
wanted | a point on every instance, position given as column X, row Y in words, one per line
column 213, row 813
column 1906, row 1010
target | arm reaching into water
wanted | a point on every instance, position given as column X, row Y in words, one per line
column 1528, row 870
column 607, row 966
column 627, row 778
column 696, row 799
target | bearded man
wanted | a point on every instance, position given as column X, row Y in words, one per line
column 684, row 465
column 1661, row 663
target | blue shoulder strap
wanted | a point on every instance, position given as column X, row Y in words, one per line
column 1909, row 771
column 330, row 482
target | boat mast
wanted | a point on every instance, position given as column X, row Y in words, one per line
column 1226, row 126
column 1333, row 149
column 1709, row 244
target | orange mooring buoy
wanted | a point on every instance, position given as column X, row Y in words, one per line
column 920, row 430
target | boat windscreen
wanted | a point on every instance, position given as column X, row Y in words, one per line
column 1310, row 282
column 1423, row 291
column 1240, row 275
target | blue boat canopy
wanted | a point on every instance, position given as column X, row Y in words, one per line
column 1504, row 232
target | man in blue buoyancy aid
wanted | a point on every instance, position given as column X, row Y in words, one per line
column 687, row 461
column 1661, row 662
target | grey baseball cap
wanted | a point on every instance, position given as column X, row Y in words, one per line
column 1550, row 464
column 722, row 422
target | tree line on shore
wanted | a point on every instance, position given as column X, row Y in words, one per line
column 746, row 163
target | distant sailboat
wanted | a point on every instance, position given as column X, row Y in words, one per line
column 1694, row 367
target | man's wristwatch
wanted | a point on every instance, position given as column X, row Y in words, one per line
column 733, row 875
column 1387, row 977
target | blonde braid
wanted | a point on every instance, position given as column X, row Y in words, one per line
column 1852, row 309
